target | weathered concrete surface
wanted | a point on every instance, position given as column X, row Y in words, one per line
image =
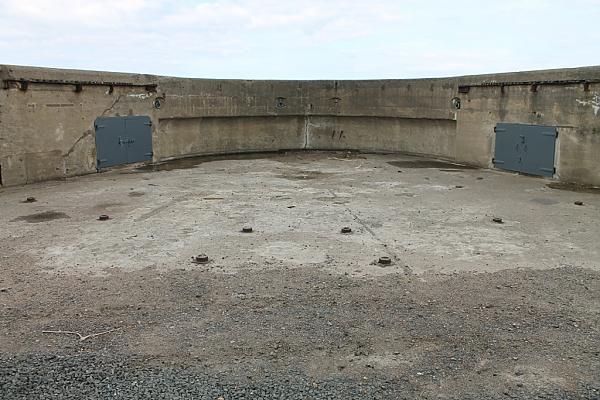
column 382, row 134
column 215, row 135
column 468, row 309
column 47, row 131
column 297, row 205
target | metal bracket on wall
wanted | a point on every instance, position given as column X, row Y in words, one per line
column 23, row 84
column 532, row 84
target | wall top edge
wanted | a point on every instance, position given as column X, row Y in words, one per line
column 28, row 72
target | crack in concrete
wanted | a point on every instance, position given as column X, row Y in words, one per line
column 112, row 105
column 90, row 132
column 72, row 149
column 163, row 207
column 389, row 251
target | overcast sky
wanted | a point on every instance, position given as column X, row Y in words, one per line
column 301, row 39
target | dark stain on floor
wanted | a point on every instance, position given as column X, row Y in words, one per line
column 544, row 201
column 334, row 200
column 573, row 187
column 446, row 166
column 136, row 194
column 192, row 162
column 41, row 217
column 279, row 155
column 304, row 175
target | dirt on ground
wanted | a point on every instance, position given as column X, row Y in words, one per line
column 514, row 333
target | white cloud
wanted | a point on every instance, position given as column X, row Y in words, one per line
column 71, row 10
column 301, row 38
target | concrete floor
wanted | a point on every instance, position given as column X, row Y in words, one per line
column 469, row 308
column 425, row 219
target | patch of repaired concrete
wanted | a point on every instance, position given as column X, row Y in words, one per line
column 107, row 205
column 545, row 201
column 41, row 217
column 292, row 252
column 446, row 166
column 334, row 200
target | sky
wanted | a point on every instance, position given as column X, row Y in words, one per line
column 301, row 39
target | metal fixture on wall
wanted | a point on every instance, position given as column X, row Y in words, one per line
column 158, row 102
column 456, row 103
column 280, row 102
column 532, row 84
column 23, row 84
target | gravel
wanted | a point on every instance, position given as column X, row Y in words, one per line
column 94, row 377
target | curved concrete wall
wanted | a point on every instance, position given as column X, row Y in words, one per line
column 47, row 132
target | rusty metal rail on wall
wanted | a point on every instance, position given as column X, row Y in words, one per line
column 23, row 84
column 534, row 84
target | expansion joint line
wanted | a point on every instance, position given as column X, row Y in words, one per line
column 306, row 131
column 390, row 252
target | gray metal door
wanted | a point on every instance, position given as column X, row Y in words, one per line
column 123, row 140
column 525, row 148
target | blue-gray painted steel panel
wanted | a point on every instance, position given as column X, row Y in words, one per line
column 139, row 134
column 110, row 149
column 507, row 155
column 541, row 145
column 123, row 140
column 525, row 148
